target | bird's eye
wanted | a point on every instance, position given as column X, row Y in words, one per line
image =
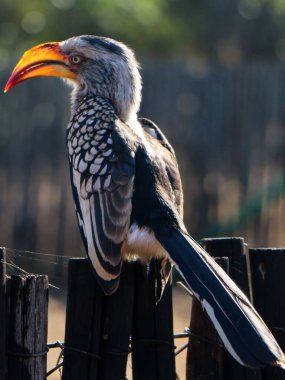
column 75, row 59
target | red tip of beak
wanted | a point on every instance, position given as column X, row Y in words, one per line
column 9, row 84
column 13, row 80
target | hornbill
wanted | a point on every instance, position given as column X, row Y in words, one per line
column 127, row 189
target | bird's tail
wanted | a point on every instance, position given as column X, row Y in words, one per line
column 240, row 327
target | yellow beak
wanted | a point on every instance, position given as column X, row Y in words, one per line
column 42, row 60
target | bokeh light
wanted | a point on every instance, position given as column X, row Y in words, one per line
column 33, row 22
column 63, row 4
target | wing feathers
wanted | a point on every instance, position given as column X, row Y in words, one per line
column 102, row 159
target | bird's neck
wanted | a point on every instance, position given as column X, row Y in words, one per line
column 131, row 120
column 125, row 110
column 125, row 99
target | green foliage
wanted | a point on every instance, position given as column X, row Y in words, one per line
column 227, row 31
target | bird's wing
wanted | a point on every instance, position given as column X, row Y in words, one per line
column 102, row 172
column 172, row 171
column 169, row 157
column 152, row 129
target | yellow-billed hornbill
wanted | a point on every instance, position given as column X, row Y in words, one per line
column 127, row 189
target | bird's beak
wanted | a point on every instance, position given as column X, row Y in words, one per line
column 42, row 60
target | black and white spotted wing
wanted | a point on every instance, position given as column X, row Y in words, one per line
column 102, row 162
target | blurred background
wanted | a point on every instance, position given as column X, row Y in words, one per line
column 213, row 74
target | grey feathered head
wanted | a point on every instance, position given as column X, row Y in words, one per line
column 107, row 68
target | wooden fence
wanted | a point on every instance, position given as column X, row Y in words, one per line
column 102, row 331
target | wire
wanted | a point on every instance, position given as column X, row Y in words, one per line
column 45, row 258
column 21, row 252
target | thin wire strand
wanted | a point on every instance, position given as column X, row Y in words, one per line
column 184, row 287
column 11, row 267
column 20, row 251
column 44, row 257
column 18, row 270
column 16, row 267
column 44, row 261
column 181, row 349
column 57, row 367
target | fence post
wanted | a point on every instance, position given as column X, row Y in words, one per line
column 240, row 272
column 152, row 336
column 268, row 268
column 205, row 355
column 27, row 327
column 235, row 249
column 2, row 313
column 239, row 268
column 116, row 328
column 98, row 327
column 83, row 322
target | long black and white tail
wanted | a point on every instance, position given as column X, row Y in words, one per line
column 241, row 329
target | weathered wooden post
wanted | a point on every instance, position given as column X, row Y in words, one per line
column 152, row 335
column 116, row 326
column 235, row 249
column 83, row 322
column 268, row 268
column 2, row 313
column 27, row 327
column 98, row 327
column 205, row 354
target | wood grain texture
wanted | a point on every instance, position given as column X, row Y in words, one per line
column 152, row 337
column 117, row 320
column 97, row 325
column 239, row 270
column 204, row 356
column 83, row 322
column 268, row 268
column 2, row 313
column 27, row 327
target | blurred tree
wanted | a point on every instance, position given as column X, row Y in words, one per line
column 226, row 31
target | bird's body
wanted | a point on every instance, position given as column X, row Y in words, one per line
column 127, row 188
column 130, row 175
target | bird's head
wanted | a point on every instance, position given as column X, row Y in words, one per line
column 92, row 65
